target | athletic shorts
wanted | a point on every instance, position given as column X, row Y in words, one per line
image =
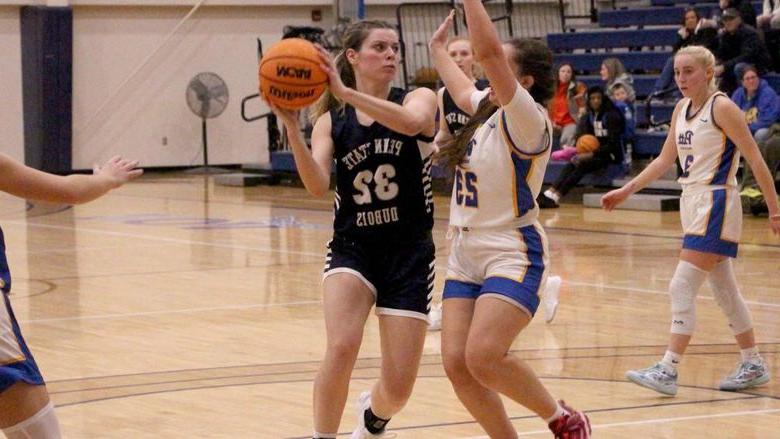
column 399, row 274
column 16, row 362
column 711, row 221
column 510, row 265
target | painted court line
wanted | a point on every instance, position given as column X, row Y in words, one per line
column 176, row 311
column 654, row 421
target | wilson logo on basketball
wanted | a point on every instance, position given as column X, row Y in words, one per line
column 283, row 71
column 290, row 95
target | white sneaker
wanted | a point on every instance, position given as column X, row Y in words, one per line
column 361, row 432
column 655, row 377
column 550, row 297
column 747, row 374
column 434, row 318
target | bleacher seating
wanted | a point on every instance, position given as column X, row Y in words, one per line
column 656, row 15
column 612, row 39
column 643, row 84
column 591, row 62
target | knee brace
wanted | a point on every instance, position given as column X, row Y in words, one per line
column 729, row 299
column 683, row 288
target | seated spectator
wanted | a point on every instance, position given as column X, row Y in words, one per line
column 613, row 72
column 696, row 31
column 759, row 102
column 620, row 99
column 745, row 9
column 604, row 122
column 567, row 105
column 738, row 45
column 769, row 23
column 751, row 196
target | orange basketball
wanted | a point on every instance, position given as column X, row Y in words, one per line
column 290, row 74
column 587, row 143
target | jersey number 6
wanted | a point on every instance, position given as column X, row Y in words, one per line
column 384, row 188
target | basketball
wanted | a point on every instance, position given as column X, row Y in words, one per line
column 290, row 74
column 587, row 143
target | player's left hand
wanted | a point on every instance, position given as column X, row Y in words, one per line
column 337, row 87
column 118, row 170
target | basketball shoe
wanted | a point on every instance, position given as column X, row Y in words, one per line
column 361, row 432
column 550, row 297
column 572, row 425
column 655, row 377
column 747, row 374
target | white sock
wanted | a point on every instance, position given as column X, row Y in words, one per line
column 559, row 412
column 671, row 360
column 751, row 354
column 325, row 435
column 42, row 425
column 551, row 194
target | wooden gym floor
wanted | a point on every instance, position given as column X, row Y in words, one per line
column 175, row 308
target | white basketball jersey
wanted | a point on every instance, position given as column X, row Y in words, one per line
column 498, row 181
column 707, row 156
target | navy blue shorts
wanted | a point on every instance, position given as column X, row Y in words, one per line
column 399, row 274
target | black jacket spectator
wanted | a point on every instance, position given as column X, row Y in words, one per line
column 744, row 7
column 742, row 46
column 607, row 124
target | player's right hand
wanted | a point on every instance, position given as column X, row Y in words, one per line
column 612, row 198
column 439, row 38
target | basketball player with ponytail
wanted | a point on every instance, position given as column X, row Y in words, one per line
column 708, row 134
column 382, row 252
column 498, row 250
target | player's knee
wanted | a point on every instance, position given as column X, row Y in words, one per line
column 683, row 298
column 733, row 305
column 481, row 361
column 455, row 366
column 343, row 349
column 398, row 390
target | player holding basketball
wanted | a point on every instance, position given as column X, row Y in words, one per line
column 382, row 251
column 708, row 133
column 498, row 252
column 25, row 409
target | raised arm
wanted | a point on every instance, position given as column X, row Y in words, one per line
column 459, row 85
column 32, row 184
column 655, row 169
column 415, row 116
column 732, row 121
column 489, row 51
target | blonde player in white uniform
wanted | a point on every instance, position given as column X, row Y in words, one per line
column 708, row 133
column 498, row 254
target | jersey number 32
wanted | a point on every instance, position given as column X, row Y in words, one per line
column 384, row 188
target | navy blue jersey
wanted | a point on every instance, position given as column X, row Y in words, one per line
column 383, row 179
column 453, row 115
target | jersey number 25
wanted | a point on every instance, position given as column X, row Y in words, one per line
column 466, row 188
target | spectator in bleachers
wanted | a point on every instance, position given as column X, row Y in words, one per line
column 604, row 121
column 758, row 101
column 695, row 31
column 620, row 99
column 738, row 45
column 769, row 23
column 613, row 72
column 744, row 8
column 751, row 196
column 568, row 105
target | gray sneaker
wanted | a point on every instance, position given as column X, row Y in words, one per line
column 655, row 377
column 746, row 375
